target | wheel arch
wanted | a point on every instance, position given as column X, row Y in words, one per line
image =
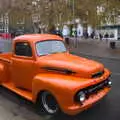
column 41, row 92
column 55, row 85
column 39, row 95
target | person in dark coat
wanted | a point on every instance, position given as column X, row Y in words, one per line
column 55, row 32
column 100, row 36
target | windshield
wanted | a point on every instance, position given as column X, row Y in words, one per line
column 50, row 47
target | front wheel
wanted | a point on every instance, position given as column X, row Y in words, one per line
column 49, row 103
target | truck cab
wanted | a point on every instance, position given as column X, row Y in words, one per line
column 26, row 55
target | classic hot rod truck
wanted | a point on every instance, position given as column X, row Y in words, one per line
column 41, row 69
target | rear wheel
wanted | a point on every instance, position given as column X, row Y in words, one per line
column 49, row 103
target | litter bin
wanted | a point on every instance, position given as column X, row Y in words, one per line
column 112, row 45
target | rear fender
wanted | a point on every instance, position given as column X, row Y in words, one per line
column 2, row 73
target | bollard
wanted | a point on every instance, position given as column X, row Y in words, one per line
column 67, row 41
column 112, row 45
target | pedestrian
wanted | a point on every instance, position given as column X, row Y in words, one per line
column 92, row 35
column 58, row 32
column 65, row 31
column 85, row 34
column 112, row 35
column 52, row 30
column 55, row 31
column 106, row 35
column 100, row 36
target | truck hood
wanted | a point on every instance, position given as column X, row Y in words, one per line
column 71, row 64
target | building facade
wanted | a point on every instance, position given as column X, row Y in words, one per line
column 14, row 22
column 4, row 23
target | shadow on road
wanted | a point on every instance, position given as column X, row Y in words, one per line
column 18, row 106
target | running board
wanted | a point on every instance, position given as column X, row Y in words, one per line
column 23, row 93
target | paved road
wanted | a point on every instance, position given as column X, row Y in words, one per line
column 95, row 48
column 13, row 107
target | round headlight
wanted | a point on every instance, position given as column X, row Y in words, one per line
column 110, row 83
column 81, row 97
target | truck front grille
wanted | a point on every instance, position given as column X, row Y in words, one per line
column 95, row 88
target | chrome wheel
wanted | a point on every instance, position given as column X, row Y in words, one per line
column 49, row 103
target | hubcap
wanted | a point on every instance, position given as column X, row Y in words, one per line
column 49, row 103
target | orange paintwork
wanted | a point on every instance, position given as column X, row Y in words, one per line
column 28, row 76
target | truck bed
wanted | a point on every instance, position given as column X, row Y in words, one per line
column 6, row 60
column 5, row 57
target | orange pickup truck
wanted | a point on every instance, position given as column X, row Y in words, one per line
column 41, row 69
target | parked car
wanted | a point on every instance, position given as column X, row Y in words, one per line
column 42, row 70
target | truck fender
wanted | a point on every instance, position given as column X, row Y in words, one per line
column 52, row 83
column 40, row 83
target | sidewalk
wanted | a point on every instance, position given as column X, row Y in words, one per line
column 95, row 48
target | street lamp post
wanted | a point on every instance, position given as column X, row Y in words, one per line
column 73, row 11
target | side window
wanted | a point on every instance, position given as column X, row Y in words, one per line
column 23, row 49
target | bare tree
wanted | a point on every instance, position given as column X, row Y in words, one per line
column 51, row 12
